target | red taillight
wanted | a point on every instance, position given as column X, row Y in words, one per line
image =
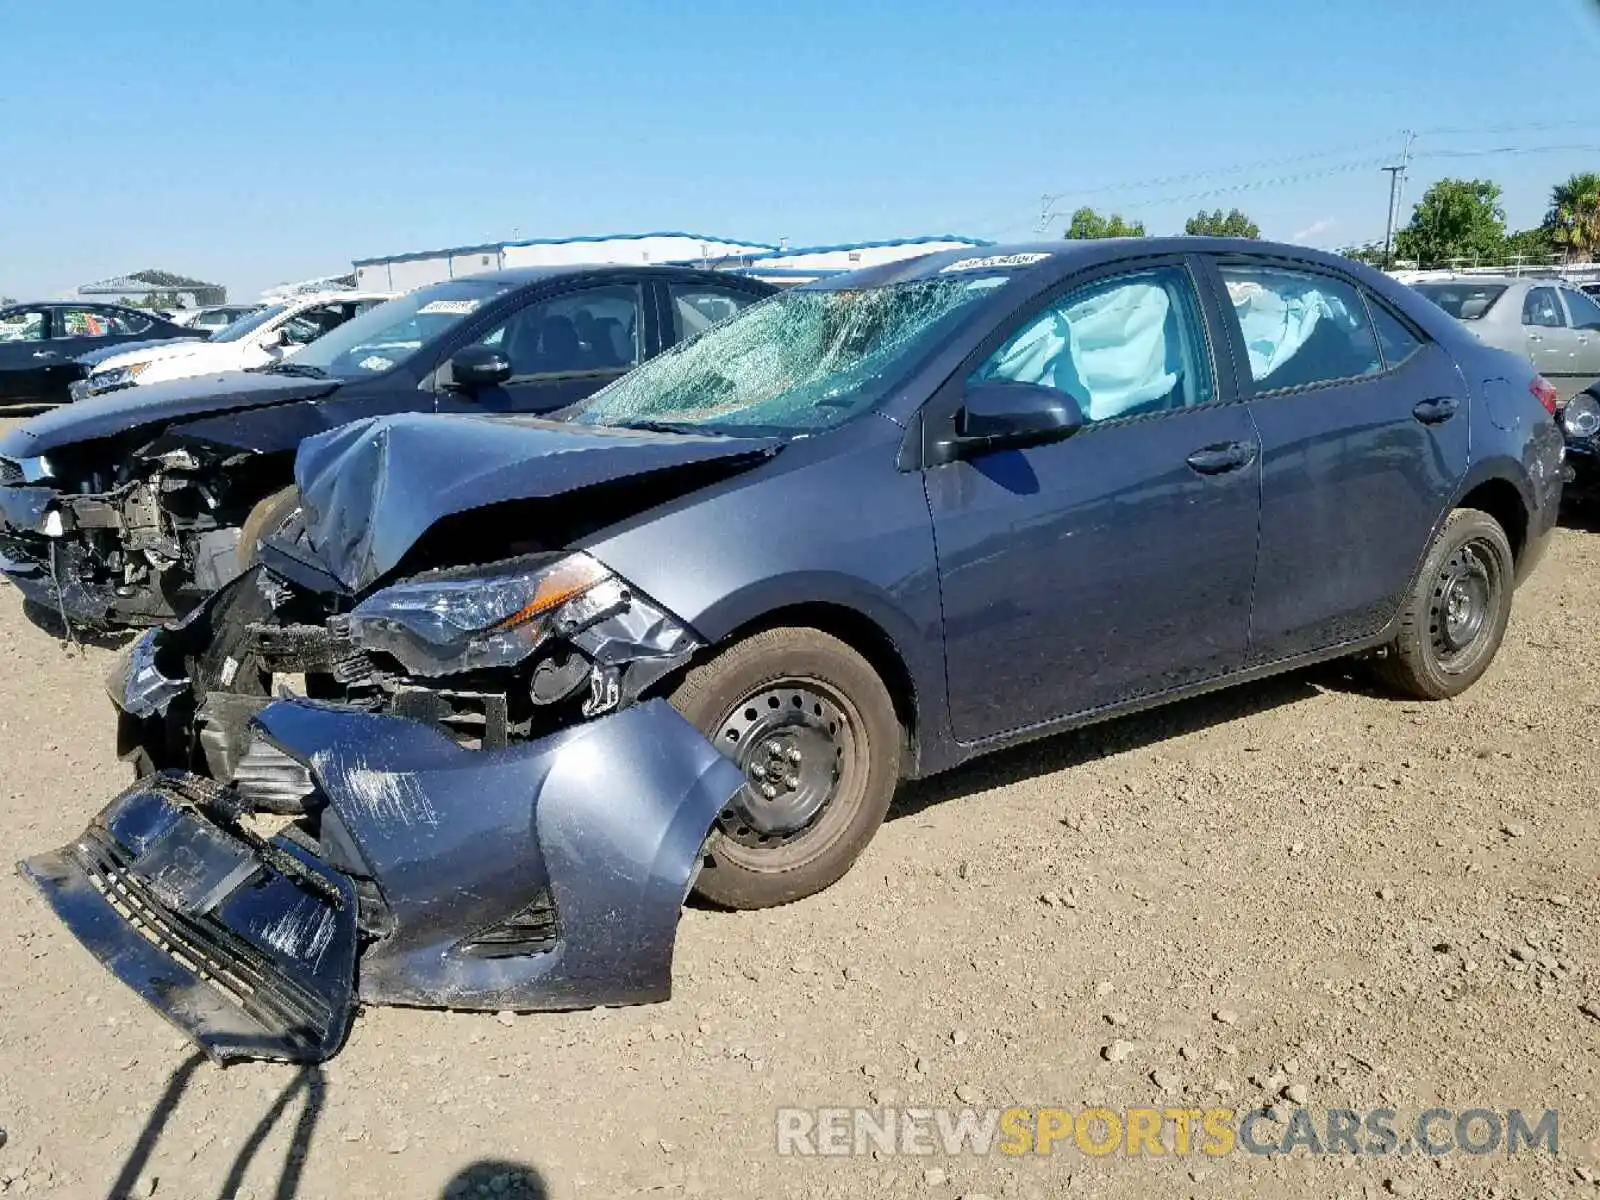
column 1545, row 393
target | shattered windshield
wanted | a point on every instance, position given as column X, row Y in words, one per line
column 389, row 333
column 797, row 362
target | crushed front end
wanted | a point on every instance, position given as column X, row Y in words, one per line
column 491, row 656
column 400, row 868
column 107, row 536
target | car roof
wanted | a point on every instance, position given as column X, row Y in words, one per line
column 522, row 276
column 1049, row 260
column 1489, row 280
column 324, row 297
column 82, row 302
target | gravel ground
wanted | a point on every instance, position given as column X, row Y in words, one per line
column 1385, row 903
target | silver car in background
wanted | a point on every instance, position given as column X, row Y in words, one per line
column 1557, row 325
column 1554, row 323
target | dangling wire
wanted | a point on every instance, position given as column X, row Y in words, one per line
column 61, row 603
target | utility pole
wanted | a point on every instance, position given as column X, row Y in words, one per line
column 1046, row 204
column 1397, row 174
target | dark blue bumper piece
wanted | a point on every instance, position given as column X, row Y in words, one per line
column 601, row 825
column 548, row 875
column 249, row 949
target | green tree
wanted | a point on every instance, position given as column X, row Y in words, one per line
column 1528, row 246
column 1573, row 222
column 1371, row 254
column 1217, row 224
column 1086, row 223
column 1455, row 219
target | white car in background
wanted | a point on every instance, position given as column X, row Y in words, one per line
column 213, row 317
column 271, row 335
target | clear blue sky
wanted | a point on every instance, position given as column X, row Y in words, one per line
column 254, row 143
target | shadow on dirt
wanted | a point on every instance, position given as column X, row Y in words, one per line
column 307, row 1084
column 302, row 1100
column 48, row 620
column 1585, row 518
column 1120, row 735
column 497, row 1178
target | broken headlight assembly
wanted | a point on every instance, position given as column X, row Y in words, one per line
column 453, row 622
column 1580, row 416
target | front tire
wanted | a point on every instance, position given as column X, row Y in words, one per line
column 264, row 520
column 1455, row 617
column 811, row 725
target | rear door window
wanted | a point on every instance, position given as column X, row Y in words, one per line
column 1300, row 328
column 22, row 326
column 698, row 306
column 1543, row 309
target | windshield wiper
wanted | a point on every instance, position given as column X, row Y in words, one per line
column 662, row 427
column 294, row 368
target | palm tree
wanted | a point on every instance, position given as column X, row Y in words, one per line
column 1574, row 216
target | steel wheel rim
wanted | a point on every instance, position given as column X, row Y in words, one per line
column 1466, row 598
column 795, row 741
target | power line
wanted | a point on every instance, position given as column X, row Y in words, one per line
column 1233, row 189
column 1491, row 151
column 1048, row 203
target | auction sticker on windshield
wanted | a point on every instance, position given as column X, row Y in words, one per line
column 993, row 260
column 458, row 308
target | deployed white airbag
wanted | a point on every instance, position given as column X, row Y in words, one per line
column 1109, row 351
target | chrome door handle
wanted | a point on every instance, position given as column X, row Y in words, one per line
column 45, row 354
column 1535, row 337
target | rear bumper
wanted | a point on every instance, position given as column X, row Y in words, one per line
column 548, row 875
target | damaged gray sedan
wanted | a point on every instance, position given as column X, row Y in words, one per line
column 502, row 692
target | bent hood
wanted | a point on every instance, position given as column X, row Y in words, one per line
column 156, row 404
column 373, row 488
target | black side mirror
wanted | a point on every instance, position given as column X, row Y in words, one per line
column 1010, row 416
column 479, row 366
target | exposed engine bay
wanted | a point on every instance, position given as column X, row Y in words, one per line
column 490, row 655
column 133, row 540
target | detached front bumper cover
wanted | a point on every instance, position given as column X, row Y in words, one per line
column 547, row 875
column 249, row 948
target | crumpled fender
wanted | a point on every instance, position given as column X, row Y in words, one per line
column 607, row 819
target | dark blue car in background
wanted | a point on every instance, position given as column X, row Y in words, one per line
column 693, row 632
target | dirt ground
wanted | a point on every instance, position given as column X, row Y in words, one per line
column 1388, row 904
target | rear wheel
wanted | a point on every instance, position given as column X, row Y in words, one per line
column 1456, row 615
column 263, row 521
column 812, row 727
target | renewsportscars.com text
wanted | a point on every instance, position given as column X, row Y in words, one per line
column 1214, row 1132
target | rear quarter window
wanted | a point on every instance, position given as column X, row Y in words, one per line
column 1395, row 338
